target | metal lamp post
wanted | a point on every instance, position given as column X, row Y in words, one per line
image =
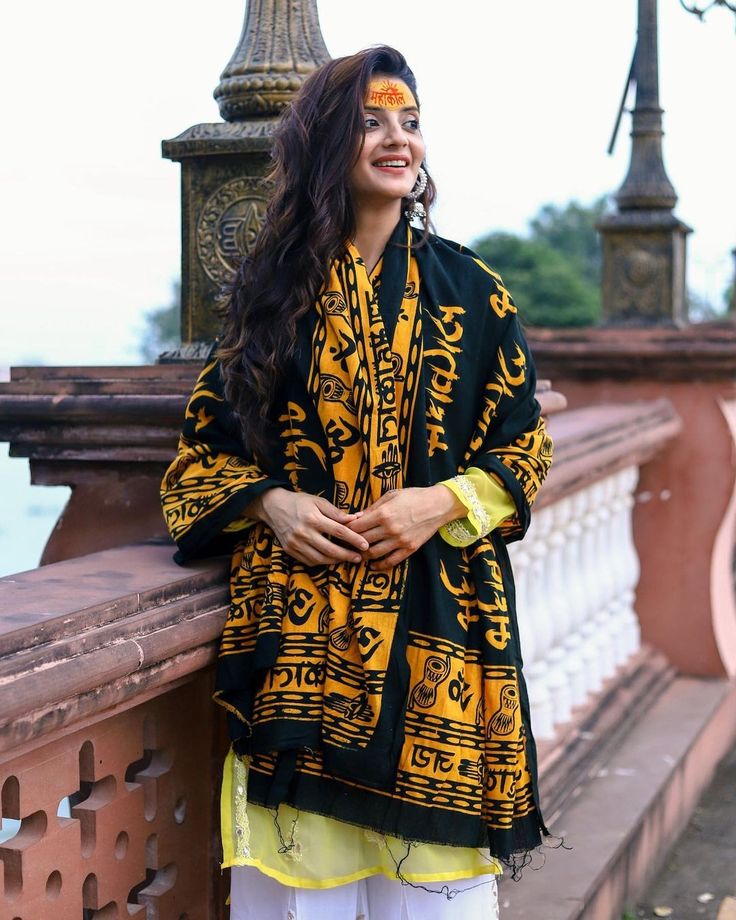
column 644, row 243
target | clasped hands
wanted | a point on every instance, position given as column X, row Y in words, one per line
column 314, row 531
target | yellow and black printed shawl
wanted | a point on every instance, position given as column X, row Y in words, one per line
column 393, row 700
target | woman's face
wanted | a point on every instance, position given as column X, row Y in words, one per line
column 393, row 147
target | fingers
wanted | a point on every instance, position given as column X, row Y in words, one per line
column 363, row 522
column 382, row 523
column 389, row 547
column 382, row 528
column 334, row 551
column 381, row 548
column 324, row 518
column 333, row 512
column 376, row 512
column 371, row 519
column 379, row 535
column 391, row 560
column 372, row 536
column 302, row 532
column 308, row 545
column 360, row 542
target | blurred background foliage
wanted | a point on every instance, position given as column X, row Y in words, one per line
column 553, row 274
column 162, row 327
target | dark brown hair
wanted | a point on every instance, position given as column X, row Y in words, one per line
column 307, row 223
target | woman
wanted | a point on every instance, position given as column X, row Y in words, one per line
column 365, row 441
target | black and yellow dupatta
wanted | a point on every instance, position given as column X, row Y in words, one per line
column 395, row 699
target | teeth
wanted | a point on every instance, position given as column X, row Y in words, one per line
column 390, row 163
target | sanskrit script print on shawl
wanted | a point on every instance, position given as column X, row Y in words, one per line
column 389, row 700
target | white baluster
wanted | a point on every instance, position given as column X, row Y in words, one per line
column 576, row 572
column 619, row 564
column 604, row 626
column 536, row 672
column 575, row 595
column 588, row 628
column 630, row 478
column 559, row 614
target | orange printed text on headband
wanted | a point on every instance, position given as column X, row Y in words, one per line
column 390, row 94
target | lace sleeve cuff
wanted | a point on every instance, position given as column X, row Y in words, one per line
column 487, row 504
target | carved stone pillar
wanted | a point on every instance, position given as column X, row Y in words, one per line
column 223, row 188
column 644, row 243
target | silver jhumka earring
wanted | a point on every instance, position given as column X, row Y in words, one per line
column 415, row 208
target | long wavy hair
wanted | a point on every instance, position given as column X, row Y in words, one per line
column 308, row 221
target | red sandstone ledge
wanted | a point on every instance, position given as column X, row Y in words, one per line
column 107, row 629
column 88, row 592
column 704, row 351
column 598, row 441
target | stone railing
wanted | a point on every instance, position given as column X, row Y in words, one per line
column 687, row 516
column 576, row 572
column 109, row 752
column 576, row 575
column 110, row 748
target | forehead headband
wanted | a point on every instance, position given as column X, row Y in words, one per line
column 390, row 94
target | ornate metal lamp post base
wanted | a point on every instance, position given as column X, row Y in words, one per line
column 223, row 186
column 644, row 269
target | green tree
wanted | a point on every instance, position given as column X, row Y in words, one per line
column 570, row 230
column 162, row 329
column 555, row 275
column 547, row 286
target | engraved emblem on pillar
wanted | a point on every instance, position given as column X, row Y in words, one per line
column 228, row 225
column 637, row 277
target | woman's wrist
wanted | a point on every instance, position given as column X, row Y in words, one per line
column 260, row 508
column 448, row 505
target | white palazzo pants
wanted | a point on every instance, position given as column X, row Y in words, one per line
column 255, row 896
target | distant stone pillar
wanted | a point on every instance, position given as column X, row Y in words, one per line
column 223, row 188
column 644, row 243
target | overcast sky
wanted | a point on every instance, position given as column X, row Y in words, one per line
column 518, row 101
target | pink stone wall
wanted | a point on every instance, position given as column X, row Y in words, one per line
column 683, row 522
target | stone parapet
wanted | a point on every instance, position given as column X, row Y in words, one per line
column 128, row 414
column 100, row 630
column 685, row 513
column 109, row 753
column 110, row 748
column 115, row 414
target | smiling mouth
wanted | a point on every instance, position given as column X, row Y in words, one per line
column 391, row 164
